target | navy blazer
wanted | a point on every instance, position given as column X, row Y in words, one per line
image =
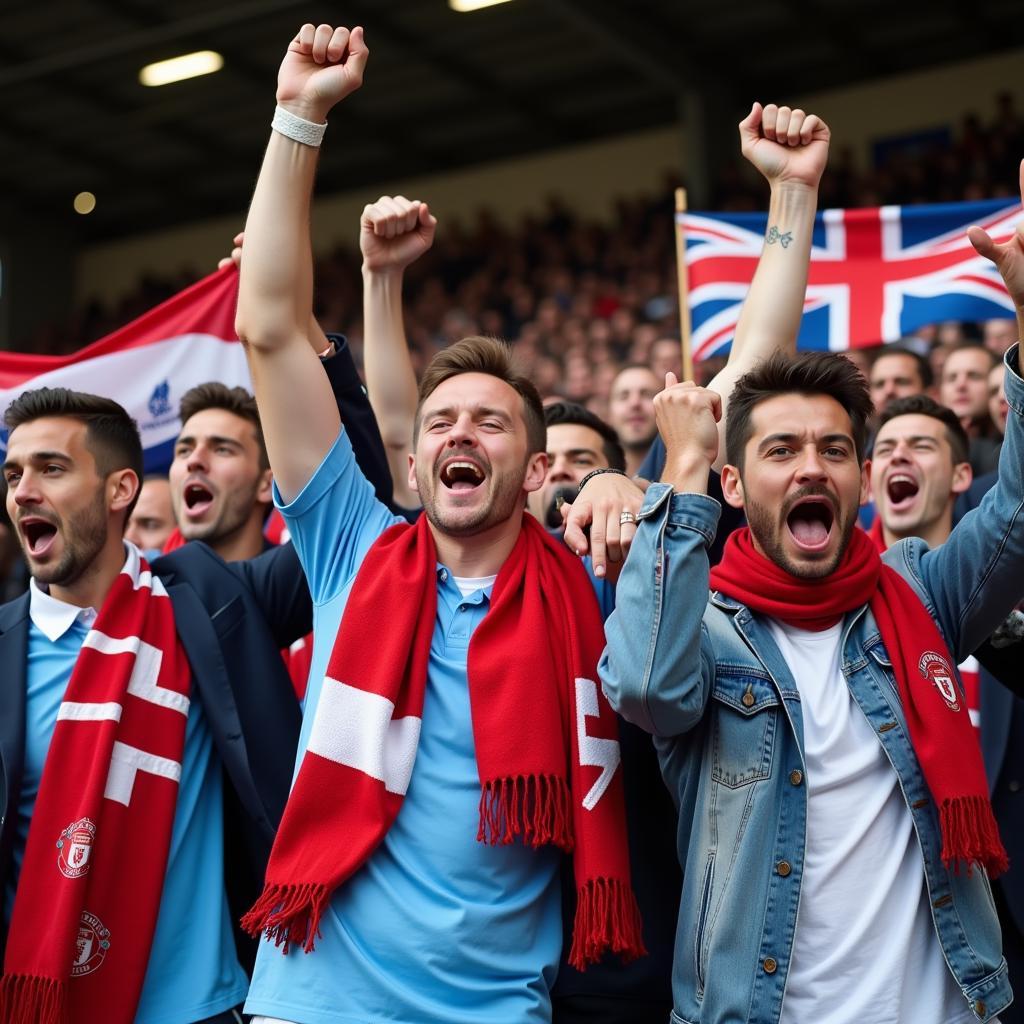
column 233, row 619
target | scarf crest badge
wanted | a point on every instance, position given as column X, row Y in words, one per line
column 935, row 669
column 75, row 847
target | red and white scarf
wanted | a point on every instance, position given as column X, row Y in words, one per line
column 546, row 739
column 92, row 876
column 937, row 717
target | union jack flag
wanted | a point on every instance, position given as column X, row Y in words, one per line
column 876, row 275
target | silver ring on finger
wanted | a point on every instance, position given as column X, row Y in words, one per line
column 626, row 517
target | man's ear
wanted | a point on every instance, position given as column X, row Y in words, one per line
column 963, row 477
column 536, row 472
column 412, row 474
column 866, row 494
column 122, row 487
column 265, row 491
column 732, row 486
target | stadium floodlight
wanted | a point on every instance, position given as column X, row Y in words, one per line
column 177, row 69
column 464, row 6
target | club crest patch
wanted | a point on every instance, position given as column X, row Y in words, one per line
column 936, row 670
column 91, row 946
column 74, row 847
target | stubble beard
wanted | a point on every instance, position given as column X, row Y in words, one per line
column 84, row 538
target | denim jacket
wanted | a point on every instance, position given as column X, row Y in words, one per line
column 707, row 680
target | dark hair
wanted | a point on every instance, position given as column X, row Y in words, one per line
column 922, row 405
column 214, row 395
column 112, row 436
column 574, row 413
column 924, row 368
column 479, row 354
column 808, row 373
column 973, row 345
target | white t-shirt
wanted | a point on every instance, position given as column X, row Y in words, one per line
column 865, row 947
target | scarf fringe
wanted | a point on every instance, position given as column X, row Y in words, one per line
column 29, row 999
column 607, row 918
column 289, row 914
column 970, row 835
column 536, row 807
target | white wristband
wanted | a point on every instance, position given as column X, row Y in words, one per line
column 309, row 133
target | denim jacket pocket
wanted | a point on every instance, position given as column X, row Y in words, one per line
column 745, row 710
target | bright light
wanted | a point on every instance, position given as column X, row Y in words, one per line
column 177, row 69
column 464, row 6
column 85, row 202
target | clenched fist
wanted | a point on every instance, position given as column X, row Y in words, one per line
column 394, row 232
column 322, row 66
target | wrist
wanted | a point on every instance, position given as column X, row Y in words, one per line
column 382, row 275
column 687, row 471
column 308, row 110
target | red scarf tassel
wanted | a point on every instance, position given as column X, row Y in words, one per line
column 26, row 999
column 536, row 807
column 289, row 914
column 970, row 834
column 607, row 917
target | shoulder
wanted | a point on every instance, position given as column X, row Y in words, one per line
column 14, row 612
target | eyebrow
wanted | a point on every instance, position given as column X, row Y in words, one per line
column 913, row 439
column 792, row 438
column 45, row 456
column 572, row 452
column 213, row 439
column 479, row 411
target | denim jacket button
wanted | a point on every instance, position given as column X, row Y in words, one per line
column 796, row 776
column 783, row 868
column 770, row 966
column 979, row 1008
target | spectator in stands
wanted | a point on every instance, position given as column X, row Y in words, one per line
column 666, row 357
column 998, row 335
column 220, row 477
column 895, row 373
column 919, row 468
column 405, row 797
column 631, row 412
column 997, row 407
column 965, row 390
column 152, row 520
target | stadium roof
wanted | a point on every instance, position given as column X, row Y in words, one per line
column 443, row 89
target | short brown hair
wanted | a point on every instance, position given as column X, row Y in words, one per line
column 112, row 436
column 922, row 405
column 479, row 354
column 214, row 395
column 809, row 373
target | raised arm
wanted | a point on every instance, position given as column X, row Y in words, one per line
column 393, row 232
column 790, row 148
column 275, row 300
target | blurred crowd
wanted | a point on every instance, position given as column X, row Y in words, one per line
column 580, row 299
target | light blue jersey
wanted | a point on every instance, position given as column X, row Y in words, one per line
column 435, row 928
column 193, row 971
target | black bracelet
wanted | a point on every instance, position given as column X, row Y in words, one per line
column 597, row 472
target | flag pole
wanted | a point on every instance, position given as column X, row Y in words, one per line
column 684, row 289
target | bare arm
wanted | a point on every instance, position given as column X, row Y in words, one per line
column 393, row 232
column 790, row 149
column 299, row 415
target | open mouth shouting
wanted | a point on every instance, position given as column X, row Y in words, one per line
column 462, row 475
column 198, row 498
column 810, row 522
column 901, row 489
column 39, row 535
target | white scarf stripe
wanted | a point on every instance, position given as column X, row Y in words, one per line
column 143, row 682
column 71, row 711
column 356, row 728
column 126, row 762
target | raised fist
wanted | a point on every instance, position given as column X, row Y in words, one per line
column 394, row 232
column 687, row 417
column 785, row 145
column 322, row 66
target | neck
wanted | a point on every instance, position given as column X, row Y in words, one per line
column 934, row 533
column 979, row 427
column 90, row 589
column 481, row 554
column 245, row 542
